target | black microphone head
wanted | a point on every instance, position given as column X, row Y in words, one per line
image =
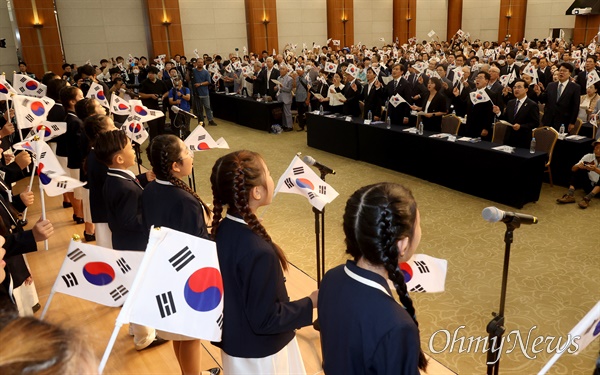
column 309, row 160
column 492, row 214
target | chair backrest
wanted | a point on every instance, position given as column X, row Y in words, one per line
column 450, row 124
column 361, row 105
column 499, row 133
column 545, row 139
column 577, row 127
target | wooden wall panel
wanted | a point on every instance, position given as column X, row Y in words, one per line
column 260, row 36
column 163, row 42
column 405, row 20
column 337, row 29
column 454, row 19
column 586, row 27
column 513, row 14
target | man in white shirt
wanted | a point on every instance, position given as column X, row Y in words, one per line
column 586, row 174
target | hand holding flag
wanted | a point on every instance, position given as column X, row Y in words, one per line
column 479, row 96
column 396, row 100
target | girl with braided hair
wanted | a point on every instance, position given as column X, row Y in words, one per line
column 259, row 318
column 168, row 201
column 363, row 329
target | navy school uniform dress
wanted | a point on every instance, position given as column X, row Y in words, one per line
column 123, row 196
column 363, row 329
column 259, row 319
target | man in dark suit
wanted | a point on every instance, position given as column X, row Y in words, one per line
column 265, row 77
column 544, row 72
column 373, row 96
column 257, row 87
column 590, row 65
column 399, row 85
column 561, row 99
column 494, row 83
column 352, row 91
column 480, row 117
column 523, row 113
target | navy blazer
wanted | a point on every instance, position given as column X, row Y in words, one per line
column 259, row 319
column 351, row 107
column 528, row 117
column 565, row 110
column 373, row 101
column 481, row 116
column 438, row 104
column 401, row 111
column 363, row 329
column 123, row 202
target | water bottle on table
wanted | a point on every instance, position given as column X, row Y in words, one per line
column 370, row 116
column 532, row 146
column 421, row 128
column 561, row 130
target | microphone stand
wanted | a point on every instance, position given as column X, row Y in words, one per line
column 320, row 238
column 138, row 156
column 495, row 327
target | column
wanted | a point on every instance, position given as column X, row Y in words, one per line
column 261, row 26
column 340, row 22
column 404, row 23
column 586, row 27
column 512, row 20
column 165, row 28
column 454, row 18
column 40, row 39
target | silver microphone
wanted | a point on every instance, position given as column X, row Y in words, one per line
column 176, row 109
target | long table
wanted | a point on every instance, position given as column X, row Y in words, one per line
column 566, row 154
column 244, row 111
column 473, row 168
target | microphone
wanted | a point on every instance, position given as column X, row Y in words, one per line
column 177, row 110
column 323, row 168
column 493, row 215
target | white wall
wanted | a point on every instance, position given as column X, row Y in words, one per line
column 543, row 15
column 93, row 30
column 431, row 15
column 301, row 22
column 480, row 19
column 213, row 26
column 8, row 55
column 372, row 21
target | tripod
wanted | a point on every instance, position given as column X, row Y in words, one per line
column 495, row 327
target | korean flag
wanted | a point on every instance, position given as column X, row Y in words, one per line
column 26, row 85
column 424, row 274
column 200, row 140
column 98, row 274
column 31, row 112
column 135, row 130
column 179, row 288
column 51, row 130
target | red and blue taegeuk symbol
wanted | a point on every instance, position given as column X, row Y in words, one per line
column 478, row 96
column 305, row 184
column 47, row 131
column 140, row 110
column 37, row 108
column 31, row 85
column 98, row 273
column 3, row 89
column 203, row 290
column 43, row 177
column 123, row 107
column 406, row 271
column 597, row 330
column 203, row 146
column 135, row 127
column 100, row 95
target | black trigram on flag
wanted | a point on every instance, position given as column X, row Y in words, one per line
column 97, row 88
column 55, row 127
column 192, row 147
column 298, row 170
column 43, row 155
column 70, row 279
column 61, row 184
column 123, row 265
column 289, row 183
column 23, row 79
column 136, row 118
column 201, row 137
column 418, row 288
column 138, row 136
column 220, row 321
column 119, row 292
column 166, row 305
column 22, row 89
column 323, row 189
column 311, row 195
column 40, row 90
column 29, row 118
column 181, row 259
column 76, row 254
column 422, row 266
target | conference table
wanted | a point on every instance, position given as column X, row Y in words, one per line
column 568, row 152
column 513, row 179
column 244, row 111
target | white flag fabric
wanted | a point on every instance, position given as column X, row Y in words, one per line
column 460, row 33
column 213, row 67
column 188, row 297
column 55, row 185
column 25, row 85
column 44, row 158
column 300, row 179
column 119, row 106
column 431, row 34
column 237, row 65
column 141, row 113
column 228, row 68
column 52, row 130
column 336, row 42
column 504, row 80
column 200, row 140
column 96, row 91
column 425, row 274
column 397, row 100
column 331, row 67
column 592, row 77
column 6, row 89
column 31, row 112
column 588, row 329
column 98, row 274
column 217, row 76
column 531, row 71
column 479, row 96
column 352, row 70
column 458, row 75
column 135, row 130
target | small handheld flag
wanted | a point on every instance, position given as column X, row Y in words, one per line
column 425, row 274
column 200, row 140
column 25, row 85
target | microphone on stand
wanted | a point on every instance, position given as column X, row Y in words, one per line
column 177, row 110
column 493, row 215
column 323, row 168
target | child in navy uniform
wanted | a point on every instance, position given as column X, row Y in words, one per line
column 168, row 201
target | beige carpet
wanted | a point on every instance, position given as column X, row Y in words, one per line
column 552, row 283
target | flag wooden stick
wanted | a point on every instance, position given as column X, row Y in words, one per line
column 109, row 347
column 48, row 301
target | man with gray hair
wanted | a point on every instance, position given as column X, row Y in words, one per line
column 284, row 95
column 302, row 95
column 494, row 83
